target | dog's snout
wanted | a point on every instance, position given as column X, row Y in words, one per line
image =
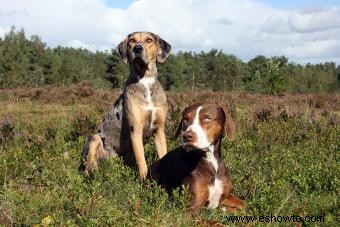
column 189, row 136
column 138, row 49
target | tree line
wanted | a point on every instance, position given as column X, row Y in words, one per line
column 28, row 62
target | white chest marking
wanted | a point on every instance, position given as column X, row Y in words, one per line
column 215, row 192
column 216, row 189
column 202, row 138
column 210, row 157
column 148, row 82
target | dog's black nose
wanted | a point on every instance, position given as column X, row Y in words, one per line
column 138, row 49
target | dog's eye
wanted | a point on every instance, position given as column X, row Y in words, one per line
column 132, row 40
column 207, row 118
column 149, row 40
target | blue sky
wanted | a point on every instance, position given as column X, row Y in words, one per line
column 281, row 4
column 123, row 4
column 302, row 30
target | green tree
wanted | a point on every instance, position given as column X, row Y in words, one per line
column 165, row 72
column 274, row 82
column 116, row 71
column 256, row 68
column 265, row 75
column 30, row 63
column 14, row 59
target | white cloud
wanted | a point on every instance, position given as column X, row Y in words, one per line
column 315, row 49
column 313, row 20
column 82, row 45
column 223, row 21
column 245, row 28
column 3, row 31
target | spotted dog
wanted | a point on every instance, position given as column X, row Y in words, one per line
column 139, row 112
column 198, row 163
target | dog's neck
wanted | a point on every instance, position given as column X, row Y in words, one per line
column 141, row 70
column 213, row 155
column 214, row 149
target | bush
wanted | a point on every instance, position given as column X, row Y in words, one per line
column 7, row 130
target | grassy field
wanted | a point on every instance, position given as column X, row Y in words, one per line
column 283, row 161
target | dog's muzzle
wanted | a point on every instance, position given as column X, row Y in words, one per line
column 189, row 136
column 138, row 49
column 139, row 55
column 189, row 139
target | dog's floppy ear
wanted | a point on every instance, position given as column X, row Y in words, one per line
column 179, row 129
column 164, row 49
column 122, row 49
column 230, row 126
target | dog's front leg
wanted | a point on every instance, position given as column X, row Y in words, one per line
column 138, row 150
column 136, row 118
column 160, row 142
column 199, row 195
column 231, row 203
column 159, row 136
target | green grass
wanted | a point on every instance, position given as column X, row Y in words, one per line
column 280, row 167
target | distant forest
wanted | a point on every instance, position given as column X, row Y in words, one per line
column 28, row 62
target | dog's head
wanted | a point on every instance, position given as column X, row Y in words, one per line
column 143, row 47
column 203, row 125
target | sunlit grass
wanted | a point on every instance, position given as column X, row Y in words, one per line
column 282, row 165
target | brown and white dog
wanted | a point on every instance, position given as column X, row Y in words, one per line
column 139, row 112
column 198, row 163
